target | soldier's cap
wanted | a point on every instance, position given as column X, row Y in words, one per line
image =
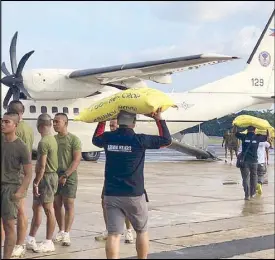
column 126, row 118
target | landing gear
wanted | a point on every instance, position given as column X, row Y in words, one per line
column 34, row 155
column 91, row 156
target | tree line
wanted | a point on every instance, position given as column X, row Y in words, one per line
column 217, row 127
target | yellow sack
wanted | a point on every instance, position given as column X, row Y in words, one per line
column 245, row 121
column 135, row 100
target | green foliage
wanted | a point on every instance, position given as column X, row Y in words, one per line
column 216, row 127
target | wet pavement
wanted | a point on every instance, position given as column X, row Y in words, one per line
column 196, row 210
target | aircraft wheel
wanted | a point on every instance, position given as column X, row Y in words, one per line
column 91, row 156
column 34, row 155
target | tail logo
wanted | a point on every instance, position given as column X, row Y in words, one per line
column 264, row 58
column 273, row 32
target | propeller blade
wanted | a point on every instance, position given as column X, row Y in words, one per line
column 16, row 93
column 4, row 69
column 13, row 53
column 7, row 98
column 22, row 63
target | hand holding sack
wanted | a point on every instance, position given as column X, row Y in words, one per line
column 263, row 132
column 144, row 101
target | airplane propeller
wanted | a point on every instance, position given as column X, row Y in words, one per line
column 14, row 80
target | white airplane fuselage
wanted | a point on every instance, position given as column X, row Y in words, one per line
column 193, row 109
column 52, row 91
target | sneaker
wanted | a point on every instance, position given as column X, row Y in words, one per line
column 259, row 188
column 253, row 196
column 44, row 247
column 59, row 237
column 18, row 251
column 129, row 239
column 66, row 239
column 31, row 244
column 102, row 237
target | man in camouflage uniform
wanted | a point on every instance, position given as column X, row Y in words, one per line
column 231, row 144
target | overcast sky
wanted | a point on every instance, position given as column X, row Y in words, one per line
column 94, row 34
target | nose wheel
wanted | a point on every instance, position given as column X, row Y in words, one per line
column 91, row 156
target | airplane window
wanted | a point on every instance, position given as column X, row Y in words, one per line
column 54, row 109
column 32, row 109
column 43, row 109
column 65, row 110
column 76, row 111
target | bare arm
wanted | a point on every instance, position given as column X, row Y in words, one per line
column 27, row 171
column 238, row 134
column 27, row 168
column 267, row 151
column 42, row 150
column 40, row 169
column 267, row 155
column 76, row 160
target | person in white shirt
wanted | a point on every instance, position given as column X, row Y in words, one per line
column 262, row 162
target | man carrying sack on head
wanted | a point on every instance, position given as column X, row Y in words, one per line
column 247, row 160
column 124, row 179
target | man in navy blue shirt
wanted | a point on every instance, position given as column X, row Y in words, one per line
column 124, row 179
column 250, row 144
column 128, row 235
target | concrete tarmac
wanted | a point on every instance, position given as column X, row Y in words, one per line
column 196, row 210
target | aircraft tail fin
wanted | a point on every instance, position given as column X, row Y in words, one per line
column 263, row 51
column 260, row 64
column 257, row 79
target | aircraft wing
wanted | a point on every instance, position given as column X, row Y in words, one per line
column 158, row 71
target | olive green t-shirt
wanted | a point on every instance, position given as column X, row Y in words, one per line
column 48, row 146
column 67, row 145
column 13, row 156
column 25, row 133
column 233, row 140
column 226, row 138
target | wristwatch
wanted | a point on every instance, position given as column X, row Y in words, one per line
column 65, row 176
